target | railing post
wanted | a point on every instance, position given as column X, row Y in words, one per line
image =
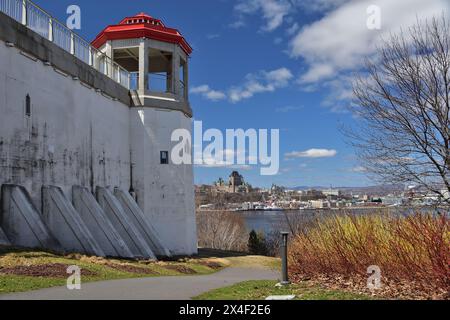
column 72, row 43
column 24, row 12
column 91, row 62
column 50, row 29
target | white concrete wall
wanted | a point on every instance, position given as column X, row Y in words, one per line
column 165, row 192
column 75, row 136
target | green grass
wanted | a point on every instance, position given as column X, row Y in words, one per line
column 10, row 258
column 259, row 290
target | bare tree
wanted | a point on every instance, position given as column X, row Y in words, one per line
column 221, row 230
column 402, row 108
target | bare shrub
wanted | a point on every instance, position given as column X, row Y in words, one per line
column 221, row 230
column 414, row 248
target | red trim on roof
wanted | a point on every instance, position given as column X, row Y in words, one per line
column 133, row 27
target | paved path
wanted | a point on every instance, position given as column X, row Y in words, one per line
column 158, row 288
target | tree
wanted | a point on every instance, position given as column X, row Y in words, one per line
column 257, row 244
column 402, row 106
column 221, row 230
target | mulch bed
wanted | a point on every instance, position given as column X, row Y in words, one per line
column 181, row 269
column 131, row 269
column 54, row 270
column 211, row 264
column 390, row 289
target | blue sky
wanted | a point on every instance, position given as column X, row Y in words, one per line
column 272, row 64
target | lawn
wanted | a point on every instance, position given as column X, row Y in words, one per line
column 24, row 270
column 259, row 290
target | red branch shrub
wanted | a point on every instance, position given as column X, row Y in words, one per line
column 414, row 248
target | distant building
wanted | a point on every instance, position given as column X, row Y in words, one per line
column 276, row 189
column 236, row 181
column 332, row 192
column 319, row 204
column 392, row 200
column 236, row 184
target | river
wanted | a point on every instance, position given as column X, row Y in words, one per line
column 269, row 221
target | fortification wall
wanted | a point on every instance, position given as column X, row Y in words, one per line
column 71, row 135
column 64, row 124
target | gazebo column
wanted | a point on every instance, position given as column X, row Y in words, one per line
column 176, row 72
column 109, row 54
column 186, row 80
column 143, row 67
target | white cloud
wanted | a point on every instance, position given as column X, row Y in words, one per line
column 219, row 160
column 358, row 170
column 340, row 40
column 293, row 29
column 215, row 95
column 200, row 89
column 319, row 5
column 263, row 81
column 312, row 153
column 279, row 76
column 208, row 93
column 273, row 12
column 317, row 72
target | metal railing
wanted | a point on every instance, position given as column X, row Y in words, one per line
column 12, row 8
column 183, row 93
column 157, row 82
column 35, row 18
